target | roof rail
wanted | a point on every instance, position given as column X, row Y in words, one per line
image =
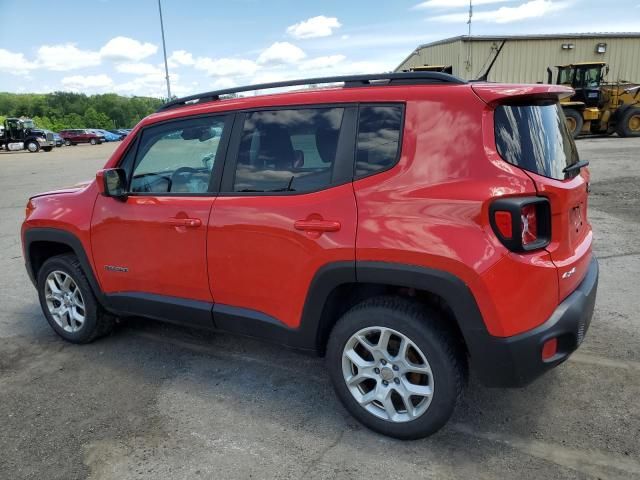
column 403, row 78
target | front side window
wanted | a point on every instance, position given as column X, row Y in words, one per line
column 288, row 150
column 379, row 128
column 177, row 157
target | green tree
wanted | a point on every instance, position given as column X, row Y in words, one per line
column 59, row 110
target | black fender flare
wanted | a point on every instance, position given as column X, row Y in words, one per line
column 64, row 237
column 449, row 287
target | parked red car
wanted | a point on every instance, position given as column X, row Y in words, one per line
column 75, row 136
column 403, row 225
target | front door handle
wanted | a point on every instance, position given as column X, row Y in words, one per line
column 185, row 222
column 317, row 225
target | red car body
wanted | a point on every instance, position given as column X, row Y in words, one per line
column 430, row 212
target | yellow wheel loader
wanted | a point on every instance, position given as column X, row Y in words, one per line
column 598, row 107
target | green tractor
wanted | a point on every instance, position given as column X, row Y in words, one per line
column 22, row 134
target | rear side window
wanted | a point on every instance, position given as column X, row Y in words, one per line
column 379, row 128
column 288, row 150
column 535, row 138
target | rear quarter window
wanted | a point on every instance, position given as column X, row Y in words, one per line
column 378, row 143
column 535, row 138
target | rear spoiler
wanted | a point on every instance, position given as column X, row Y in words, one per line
column 495, row 93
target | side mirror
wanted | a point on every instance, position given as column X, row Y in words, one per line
column 112, row 182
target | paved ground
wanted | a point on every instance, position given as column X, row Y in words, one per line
column 153, row 401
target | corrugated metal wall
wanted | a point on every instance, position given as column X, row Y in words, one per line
column 526, row 61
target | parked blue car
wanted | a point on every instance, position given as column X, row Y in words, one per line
column 108, row 136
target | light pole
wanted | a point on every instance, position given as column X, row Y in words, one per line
column 164, row 51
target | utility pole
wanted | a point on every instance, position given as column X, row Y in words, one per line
column 469, row 36
column 164, row 50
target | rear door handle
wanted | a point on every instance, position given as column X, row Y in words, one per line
column 317, row 225
column 185, row 222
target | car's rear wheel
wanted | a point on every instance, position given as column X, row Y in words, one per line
column 68, row 302
column 92, row 141
column 395, row 368
column 67, row 143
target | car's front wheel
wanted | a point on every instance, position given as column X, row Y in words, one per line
column 67, row 143
column 395, row 367
column 68, row 302
column 93, row 141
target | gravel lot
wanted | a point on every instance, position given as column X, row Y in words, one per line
column 156, row 401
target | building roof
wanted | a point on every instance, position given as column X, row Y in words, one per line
column 466, row 38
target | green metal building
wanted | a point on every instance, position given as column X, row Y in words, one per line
column 525, row 58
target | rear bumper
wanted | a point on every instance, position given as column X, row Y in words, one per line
column 516, row 361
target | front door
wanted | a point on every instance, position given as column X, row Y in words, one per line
column 286, row 208
column 154, row 243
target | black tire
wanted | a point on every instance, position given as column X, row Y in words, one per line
column 574, row 121
column 67, row 143
column 424, row 327
column 35, row 146
column 47, row 149
column 97, row 322
column 93, row 141
column 629, row 123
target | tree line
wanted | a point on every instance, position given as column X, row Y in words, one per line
column 61, row 110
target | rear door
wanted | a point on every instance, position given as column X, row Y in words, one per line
column 534, row 137
column 286, row 208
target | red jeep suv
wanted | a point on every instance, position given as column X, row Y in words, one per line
column 402, row 225
column 74, row 137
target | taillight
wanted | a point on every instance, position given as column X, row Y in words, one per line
column 522, row 224
column 529, row 231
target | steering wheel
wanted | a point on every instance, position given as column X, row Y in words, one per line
column 182, row 171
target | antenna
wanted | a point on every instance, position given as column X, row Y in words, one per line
column 469, row 36
column 164, row 51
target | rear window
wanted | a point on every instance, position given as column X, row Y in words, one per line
column 535, row 138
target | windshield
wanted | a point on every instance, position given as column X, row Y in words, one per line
column 535, row 138
column 588, row 77
column 28, row 124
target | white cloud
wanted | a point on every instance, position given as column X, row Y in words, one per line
column 181, row 57
column 320, row 63
column 127, row 49
column 66, row 57
column 453, row 3
column 87, row 83
column 226, row 66
column 222, row 83
column 530, row 9
column 281, row 52
column 15, row 63
column 314, row 27
column 153, row 85
column 138, row 68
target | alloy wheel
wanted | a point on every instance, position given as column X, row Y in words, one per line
column 387, row 374
column 64, row 301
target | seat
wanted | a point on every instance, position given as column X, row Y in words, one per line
column 276, row 150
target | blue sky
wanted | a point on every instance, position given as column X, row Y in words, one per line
column 115, row 45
